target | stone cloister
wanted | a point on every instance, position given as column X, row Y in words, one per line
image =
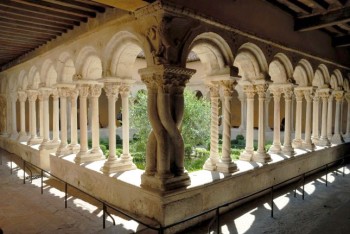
column 54, row 101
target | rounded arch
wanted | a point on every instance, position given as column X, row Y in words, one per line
column 346, row 85
column 23, row 80
column 280, row 69
column 339, row 77
column 33, row 78
column 213, row 51
column 321, row 77
column 12, row 83
column 48, row 73
column 89, row 64
column 334, row 82
column 303, row 73
column 251, row 62
column 65, row 68
column 120, row 54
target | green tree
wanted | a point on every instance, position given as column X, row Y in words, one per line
column 195, row 125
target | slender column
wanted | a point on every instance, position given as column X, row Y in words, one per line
column 96, row 152
column 8, row 116
column 63, row 149
column 292, row 125
column 276, row 145
column 330, row 117
column 14, row 132
column 307, row 144
column 41, row 115
column 248, row 153
column 22, row 96
column 347, row 134
column 211, row 162
column 225, row 164
column 337, row 137
column 45, row 93
column 261, row 155
column 83, row 94
column 267, row 112
column 32, row 96
column 324, row 140
column 287, row 143
column 55, row 119
column 315, row 124
column 73, row 146
column 243, row 101
column 297, row 142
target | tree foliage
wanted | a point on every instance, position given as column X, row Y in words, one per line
column 195, row 127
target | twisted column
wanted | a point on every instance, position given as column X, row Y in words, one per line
column 73, row 146
column 315, row 124
column 324, row 139
column 330, row 118
column 248, row 152
column 211, row 162
column 337, row 137
column 307, row 142
column 22, row 96
column 276, row 145
column 55, row 119
column 225, row 164
column 287, row 143
column 297, row 142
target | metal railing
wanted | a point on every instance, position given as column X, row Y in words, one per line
column 159, row 228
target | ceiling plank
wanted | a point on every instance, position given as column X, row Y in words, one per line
column 85, row 5
column 342, row 41
column 300, row 6
column 25, row 36
column 25, row 33
column 32, row 25
column 323, row 20
column 282, row 7
column 29, row 29
column 322, row 3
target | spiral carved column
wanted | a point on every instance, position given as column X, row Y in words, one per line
column 165, row 106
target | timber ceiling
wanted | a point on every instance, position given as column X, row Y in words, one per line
column 330, row 16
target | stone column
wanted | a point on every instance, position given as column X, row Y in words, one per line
column 45, row 93
column 324, row 139
column 242, row 99
column 267, row 112
column 330, row 118
column 73, row 146
column 225, row 164
column 211, row 162
column 261, row 155
column 248, row 152
column 287, row 143
column 307, row 144
column 292, row 128
column 315, row 124
column 14, row 133
column 41, row 115
column 337, row 137
column 165, row 148
column 22, row 96
column 32, row 96
column 63, row 149
column 297, row 142
column 55, row 119
column 347, row 134
column 96, row 152
column 276, row 145
column 82, row 156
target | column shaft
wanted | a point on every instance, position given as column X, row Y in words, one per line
column 55, row 119
column 297, row 142
column 276, row 145
column 324, row 140
column 307, row 142
column 315, row 123
column 95, row 92
column 330, row 118
column 287, row 146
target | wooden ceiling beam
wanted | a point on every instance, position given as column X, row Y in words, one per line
column 322, row 4
column 342, row 41
column 28, row 29
column 323, row 20
column 301, row 6
column 4, row 29
column 25, row 36
column 282, row 7
column 85, row 5
column 15, row 43
column 33, row 25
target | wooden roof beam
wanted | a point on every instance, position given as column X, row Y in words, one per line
column 28, row 29
column 342, row 41
column 85, row 5
column 321, row 21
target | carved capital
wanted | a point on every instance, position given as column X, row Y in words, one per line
column 112, row 89
column 288, row 93
column 83, row 90
column 32, row 95
column 22, row 96
column 261, row 90
column 124, row 90
column 45, row 94
column 228, row 87
column 338, row 96
column 214, row 90
column 95, row 90
column 55, row 94
column 299, row 94
column 63, row 92
column 308, row 95
column 276, row 91
column 324, row 95
column 249, row 91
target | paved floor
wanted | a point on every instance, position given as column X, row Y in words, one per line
column 24, row 210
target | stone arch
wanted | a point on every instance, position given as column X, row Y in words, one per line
column 280, row 69
column 334, row 82
column 303, row 73
column 34, row 78
column 213, row 52
column 251, row 62
column 3, row 85
column 12, row 83
column 346, row 85
column 23, row 80
column 339, row 77
column 120, row 54
column 89, row 64
column 321, row 77
column 48, row 73
column 65, row 68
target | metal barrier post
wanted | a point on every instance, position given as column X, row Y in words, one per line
column 65, row 195
column 104, row 215
column 24, row 172
column 303, row 186
column 161, row 231
column 272, row 202
column 42, row 181
column 326, row 175
column 343, row 170
column 218, row 221
column 11, row 166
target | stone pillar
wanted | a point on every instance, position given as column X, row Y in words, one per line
column 324, row 139
column 82, row 156
column 165, row 148
column 225, row 164
column 73, row 146
column 292, row 128
column 41, row 115
column 297, row 142
column 63, row 149
column 22, row 96
column 242, row 99
column 8, row 116
column 287, row 143
column 307, row 144
column 32, row 96
column 45, row 94
column 55, row 119
column 315, row 123
column 330, row 118
column 276, row 145
column 248, row 152
column 267, row 112
column 14, row 133
column 261, row 155
column 96, row 152
column 337, row 137
column 211, row 162
column 347, row 134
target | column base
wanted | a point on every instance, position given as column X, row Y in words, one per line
column 308, row 145
column 48, row 145
column 74, row 148
column 337, row 139
column 288, row 150
column 117, row 165
column 166, row 183
column 89, row 156
column 297, row 144
column 246, row 155
column 14, row 135
column 226, row 167
column 275, row 149
column 261, row 157
column 34, row 141
column 323, row 142
column 210, row 163
column 22, row 138
column 315, row 140
column 62, row 150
